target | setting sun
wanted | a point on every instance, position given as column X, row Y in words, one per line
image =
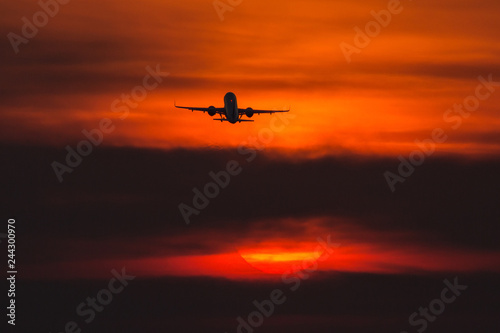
column 279, row 261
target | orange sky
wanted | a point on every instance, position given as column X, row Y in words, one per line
column 272, row 55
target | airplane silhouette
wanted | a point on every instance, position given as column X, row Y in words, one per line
column 230, row 111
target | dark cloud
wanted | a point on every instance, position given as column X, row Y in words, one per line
column 125, row 196
column 324, row 303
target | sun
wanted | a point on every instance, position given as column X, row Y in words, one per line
column 279, row 260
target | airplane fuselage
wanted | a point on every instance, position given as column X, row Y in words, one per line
column 231, row 107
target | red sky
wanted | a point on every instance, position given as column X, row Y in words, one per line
column 265, row 254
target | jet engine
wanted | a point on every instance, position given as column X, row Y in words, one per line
column 249, row 112
column 211, row 111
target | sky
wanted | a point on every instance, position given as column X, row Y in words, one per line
column 378, row 186
column 272, row 55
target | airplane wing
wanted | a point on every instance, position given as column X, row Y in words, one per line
column 217, row 110
column 261, row 111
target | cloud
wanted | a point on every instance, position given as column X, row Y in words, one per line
column 122, row 204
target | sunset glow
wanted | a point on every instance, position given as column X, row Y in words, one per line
column 370, row 202
column 377, row 105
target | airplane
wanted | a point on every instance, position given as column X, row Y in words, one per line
column 230, row 110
